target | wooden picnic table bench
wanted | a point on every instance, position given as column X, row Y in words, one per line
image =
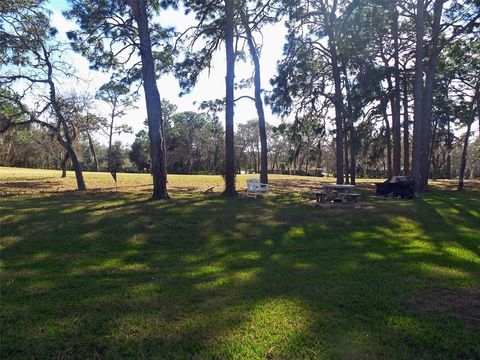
column 334, row 192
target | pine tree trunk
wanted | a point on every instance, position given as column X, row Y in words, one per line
column 110, row 139
column 463, row 163
column 92, row 151
column 406, row 132
column 229, row 111
column 396, row 153
column 388, row 141
column 431, row 152
column 338, row 102
column 258, row 101
column 153, row 102
column 353, row 163
column 449, row 151
column 347, row 160
column 428, row 93
column 418, row 128
column 352, row 167
column 397, row 146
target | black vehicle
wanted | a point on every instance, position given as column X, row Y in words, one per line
column 397, row 186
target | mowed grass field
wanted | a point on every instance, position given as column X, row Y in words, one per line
column 20, row 181
column 107, row 274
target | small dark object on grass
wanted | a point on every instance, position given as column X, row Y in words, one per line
column 397, row 186
column 209, row 190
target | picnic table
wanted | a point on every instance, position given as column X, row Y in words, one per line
column 336, row 192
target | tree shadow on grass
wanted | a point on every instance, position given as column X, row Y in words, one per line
column 113, row 277
column 12, row 188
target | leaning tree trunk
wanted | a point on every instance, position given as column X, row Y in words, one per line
column 77, row 168
column 258, row 101
column 92, row 151
column 153, row 102
column 229, row 112
column 67, row 142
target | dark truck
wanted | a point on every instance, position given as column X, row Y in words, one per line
column 397, row 186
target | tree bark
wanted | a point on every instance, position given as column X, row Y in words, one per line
column 258, row 100
column 353, row 162
column 463, row 163
column 431, row 152
column 153, row 102
column 338, row 102
column 229, row 111
column 449, row 154
column 68, row 146
column 406, row 132
column 347, row 159
column 92, row 151
column 78, row 169
column 67, row 142
column 428, row 93
column 388, row 141
column 352, row 167
column 64, row 164
column 397, row 146
column 110, row 139
column 418, row 128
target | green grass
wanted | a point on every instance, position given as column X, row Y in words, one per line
column 111, row 275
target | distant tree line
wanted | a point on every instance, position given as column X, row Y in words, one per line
column 195, row 145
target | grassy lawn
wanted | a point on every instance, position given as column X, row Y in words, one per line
column 106, row 274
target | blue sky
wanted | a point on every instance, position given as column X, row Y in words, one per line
column 210, row 86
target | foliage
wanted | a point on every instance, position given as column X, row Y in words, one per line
column 118, row 157
column 111, row 22
column 139, row 153
column 194, row 143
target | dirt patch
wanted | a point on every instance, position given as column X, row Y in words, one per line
column 464, row 304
